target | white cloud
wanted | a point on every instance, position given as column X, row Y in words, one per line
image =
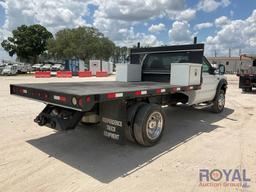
column 150, row 40
column 134, row 10
column 186, row 15
column 133, row 38
column 201, row 26
column 235, row 34
column 156, row 28
column 52, row 14
column 123, row 14
column 221, row 21
column 212, row 5
column 180, row 33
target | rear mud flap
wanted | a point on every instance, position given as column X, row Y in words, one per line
column 58, row 118
column 113, row 120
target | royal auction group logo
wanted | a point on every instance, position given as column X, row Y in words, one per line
column 234, row 178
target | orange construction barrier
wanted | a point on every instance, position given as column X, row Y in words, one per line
column 84, row 73
column 43, row 74
column 101, row 74
column 64, row 74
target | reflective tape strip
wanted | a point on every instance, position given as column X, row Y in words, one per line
column 55, row 97
column 119, row 94
column 25, row 91
column 163, row 90
column 60, row 98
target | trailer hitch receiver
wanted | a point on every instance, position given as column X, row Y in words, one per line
column 58, row 118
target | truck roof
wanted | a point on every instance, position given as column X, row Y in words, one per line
column 174, row 48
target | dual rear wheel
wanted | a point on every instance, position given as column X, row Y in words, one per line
column 147, row 125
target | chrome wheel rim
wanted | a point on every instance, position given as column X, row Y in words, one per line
column 221, row 101
column 154, row 125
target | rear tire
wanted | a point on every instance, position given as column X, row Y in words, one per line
column 131, row 113
column 149, row 125
column 219, row 102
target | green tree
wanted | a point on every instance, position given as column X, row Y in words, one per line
column 82, row 42
column 27, row 42
column 120, row 54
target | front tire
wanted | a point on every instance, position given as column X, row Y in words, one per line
column 149, row 125
column 219, row 102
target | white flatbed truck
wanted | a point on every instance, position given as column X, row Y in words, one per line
column 130, row 110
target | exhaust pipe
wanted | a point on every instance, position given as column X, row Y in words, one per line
column 195, row 40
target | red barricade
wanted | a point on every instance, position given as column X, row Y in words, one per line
column 43, row 74
column 84, row 73
column 64, row 74
column 101, row 74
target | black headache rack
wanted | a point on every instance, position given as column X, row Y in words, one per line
column 195, row 52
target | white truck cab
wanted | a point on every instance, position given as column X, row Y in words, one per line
column 212, row 80
column 156, row 67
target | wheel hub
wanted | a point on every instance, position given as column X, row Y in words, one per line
column 154, row 125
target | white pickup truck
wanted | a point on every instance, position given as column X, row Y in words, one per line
column 131, row 110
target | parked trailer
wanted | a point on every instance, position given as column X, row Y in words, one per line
column 129, row 110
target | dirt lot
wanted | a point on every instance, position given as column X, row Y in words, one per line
column 34, row 158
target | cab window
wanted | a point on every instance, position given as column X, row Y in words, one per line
column 162, row 61
column 206, row 66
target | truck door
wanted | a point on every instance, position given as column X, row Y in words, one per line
column 210, row 82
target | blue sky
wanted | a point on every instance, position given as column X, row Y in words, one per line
column 220, row 24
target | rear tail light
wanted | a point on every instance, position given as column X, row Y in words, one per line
column 80, row 102
column 88, row 99
column 111, row 95
column 158, row 91
column 45, row 96
column 23, row 91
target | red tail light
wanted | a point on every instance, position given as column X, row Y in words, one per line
column 137, row 93
column 88, row 99
column 80, row 102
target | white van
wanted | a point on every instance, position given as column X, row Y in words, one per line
column 10, row 70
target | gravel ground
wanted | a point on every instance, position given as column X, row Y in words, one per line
column 34, row 158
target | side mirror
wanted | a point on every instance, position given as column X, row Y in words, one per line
column 222, row 69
